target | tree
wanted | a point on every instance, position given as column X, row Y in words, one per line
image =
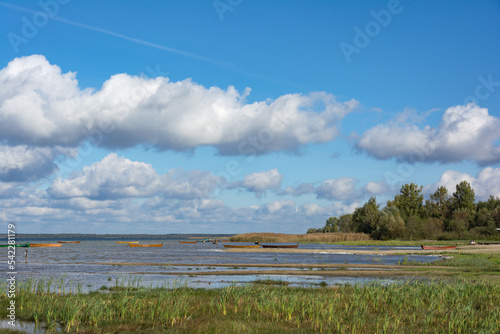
column 464, row 197
column 460, row 221
column 366, row 217
column 345, row 223
column 331, row 225
column 439, row 206
column 390, row 225
column 409, row 201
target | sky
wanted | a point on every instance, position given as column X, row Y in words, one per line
column 234, row 116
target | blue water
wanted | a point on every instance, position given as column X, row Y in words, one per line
column 99, row 260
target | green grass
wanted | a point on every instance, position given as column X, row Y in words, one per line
column 269, row 281
column 459, row 306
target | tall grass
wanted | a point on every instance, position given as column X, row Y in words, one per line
column 418, row 307
column 312, row 237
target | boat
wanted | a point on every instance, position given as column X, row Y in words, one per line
column 45, row 245
column 241, row 246
column 150, row 245
column 127, row 242
column 280, row 246
column 188, row 242
column 69, row 242
column 19, row 245
column 438, row 247
column 488, row 243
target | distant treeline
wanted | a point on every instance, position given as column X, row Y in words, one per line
column 441, row 217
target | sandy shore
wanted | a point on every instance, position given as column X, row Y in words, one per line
column 486, row 249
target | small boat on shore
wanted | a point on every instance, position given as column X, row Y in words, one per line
column 69, row 242
column 438, row 247
column 241, row 246
column 150, row 245
column 280, row 246
column 45, row 245
column 188, row 242
column 19, row 245
column 127, row 242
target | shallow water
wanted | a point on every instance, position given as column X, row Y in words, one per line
column 95, row 262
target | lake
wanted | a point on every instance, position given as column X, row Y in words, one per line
column 99, row 261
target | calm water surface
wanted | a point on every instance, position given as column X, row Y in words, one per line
column 94, row 262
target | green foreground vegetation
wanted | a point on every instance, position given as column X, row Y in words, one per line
column 460, row 306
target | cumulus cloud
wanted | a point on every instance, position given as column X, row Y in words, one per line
column 486, row 183
column 116, row 177
column 466, row 132
column 259, row 182
column 377, row 188
column 337, row 189
column 301, row 189
column 22, row 163
column 277, row 206
column 42, row 106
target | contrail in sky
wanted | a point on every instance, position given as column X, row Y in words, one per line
column 216, row 62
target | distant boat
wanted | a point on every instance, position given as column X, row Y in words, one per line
column 188, row 242
column 438, row 247
column 20, row 245
column 127, row 242
column 241, row 246
column 69, row 242
column 45, row 245
column 150, row 245
column 488, row 243
column 280, row 246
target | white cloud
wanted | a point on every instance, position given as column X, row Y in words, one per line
column 116, row 177
column 42, row 106
column 112, row 177
column 301, row 189
column 275, row 206
column 260, row 182
column 22, row 163
column 313, row 209
column 465, row 133
column 337, row 189
column 377, row 188
column 486, row 183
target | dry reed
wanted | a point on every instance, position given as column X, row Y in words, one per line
column 312, row 237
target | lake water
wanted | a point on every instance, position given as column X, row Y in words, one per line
column 99, row 261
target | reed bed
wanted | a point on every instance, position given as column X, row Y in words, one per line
column 312, row 237
column 419, row 307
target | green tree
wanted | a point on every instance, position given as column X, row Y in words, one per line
column 409, row 201
column 366, row 217
column 331, row 225
column 389, row 225
column 439, row 205
column 345, row 223
column 464, row 197
column 460, row 221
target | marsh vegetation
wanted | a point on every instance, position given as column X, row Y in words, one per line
column 460, row 306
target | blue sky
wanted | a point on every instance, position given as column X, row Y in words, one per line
column 240, row 116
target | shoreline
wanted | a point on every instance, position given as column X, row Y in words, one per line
column 467, row 249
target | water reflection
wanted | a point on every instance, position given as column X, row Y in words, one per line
column 94, row 263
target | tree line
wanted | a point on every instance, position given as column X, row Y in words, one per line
column 442, row 217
